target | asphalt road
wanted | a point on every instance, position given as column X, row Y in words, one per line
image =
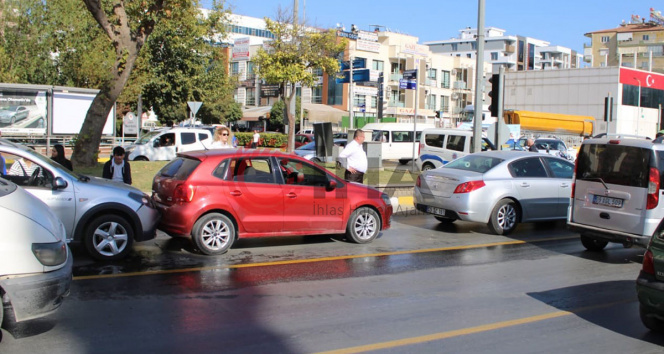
column 421, row 287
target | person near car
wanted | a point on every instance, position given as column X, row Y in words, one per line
column 222, row 138
column 354, row 158
column 530, row 143
column 58, row 155
column 117, row 168
column 257, row 137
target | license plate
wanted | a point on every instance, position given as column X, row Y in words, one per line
column 434, row 210
column 608, row 201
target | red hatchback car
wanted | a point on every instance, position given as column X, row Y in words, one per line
column 217, row 196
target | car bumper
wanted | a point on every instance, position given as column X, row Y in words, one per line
column 459, row 206
column 149, row 217
column 609, row 235
column 37, row 295
column 176, row 221
column 650, row 292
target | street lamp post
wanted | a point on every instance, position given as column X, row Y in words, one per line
column 638, row 109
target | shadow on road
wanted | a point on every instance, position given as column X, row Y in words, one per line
column 601, row 303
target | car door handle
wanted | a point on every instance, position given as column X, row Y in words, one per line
column 524, row 184
column 291, row 195
column 236, row 193
column 564, row 185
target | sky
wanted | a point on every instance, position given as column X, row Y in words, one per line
column 561, row 22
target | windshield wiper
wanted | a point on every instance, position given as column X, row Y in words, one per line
column 597, row 179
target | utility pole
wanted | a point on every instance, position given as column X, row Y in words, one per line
column 350, row 89
column 479, row 77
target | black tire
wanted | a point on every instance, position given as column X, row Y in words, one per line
column 504, row 217
column 12, row 121
column 213, row 234
column 363, row 225
column 651, row 323
column 141, row 158
column 444, row 220
column 108, row 237
column 592, row 244
column 427, row 167
column 404, row 161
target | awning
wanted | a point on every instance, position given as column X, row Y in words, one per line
column 323, row 113
column 252, row 113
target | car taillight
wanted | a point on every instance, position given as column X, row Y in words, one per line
column 419, row 148
column 653, row 188
column 418, row 182
column 576, row 164
column 183, row 193
column 648, row 264
column 469, row 186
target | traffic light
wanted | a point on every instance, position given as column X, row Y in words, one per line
column 493, row 94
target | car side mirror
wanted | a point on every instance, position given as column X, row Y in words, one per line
column 155, row 143
column 59, row 183
column 331, row 185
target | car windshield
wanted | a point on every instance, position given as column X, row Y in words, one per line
column 41, row 159
column 614, row 164
column 475, row 163
column 550, row 145
column 9, row 108
column 147, row 137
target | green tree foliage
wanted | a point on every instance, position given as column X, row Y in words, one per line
column 291, row 56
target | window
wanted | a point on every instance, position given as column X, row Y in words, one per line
column 431, row 73
column 302, row 173
column 528, row 167
column 251, row 97
column 202, row 136
column 21, row 170
column 455, row 47
column 250, row 170
column 402, row 137
column 360, row 101
column 445, row 82
column 456, row 142
column 646, row 37
column 434, row 140
column 494, row 56
column 605, row 39
column 377, row 65
column 188, row 138
column 250, row 71
column 235, row 68
column 445, row 103
column 469, row 55
column 374, row 101
column 560, row 169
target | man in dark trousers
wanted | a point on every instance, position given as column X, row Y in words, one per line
column 117, row 168
column 354, row 159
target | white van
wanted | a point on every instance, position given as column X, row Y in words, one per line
column 397, row 138
column 439, row 146
column 164, row 144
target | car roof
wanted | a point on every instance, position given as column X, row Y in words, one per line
column 512, row 154
column 241, row 151
column 625, row 141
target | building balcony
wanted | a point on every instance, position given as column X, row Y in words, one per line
column 396, row 104
column 396, row 76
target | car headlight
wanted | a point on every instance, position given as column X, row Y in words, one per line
column 50, row 254
column 385, row 198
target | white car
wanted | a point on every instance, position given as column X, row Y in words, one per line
column 35, row 261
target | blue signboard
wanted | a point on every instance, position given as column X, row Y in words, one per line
column 410, row 74
column 408, row 84
column 358, row 63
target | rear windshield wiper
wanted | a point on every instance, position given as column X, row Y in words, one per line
column 597, row 179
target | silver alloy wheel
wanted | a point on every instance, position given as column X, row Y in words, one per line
column 215, row 234
column 506, row 216
column 365, row 225
column 110, row 238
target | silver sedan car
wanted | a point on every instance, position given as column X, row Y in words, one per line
column 498, row 188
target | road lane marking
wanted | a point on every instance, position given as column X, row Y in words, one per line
column 314, row 260
column 470, row 330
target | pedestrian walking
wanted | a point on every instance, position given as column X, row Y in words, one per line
column 354, row 159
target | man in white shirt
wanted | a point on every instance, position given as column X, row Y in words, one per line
column 354, row 159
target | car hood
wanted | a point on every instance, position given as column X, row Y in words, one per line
column 112, row 186
column 28, row 206
column 6, row 113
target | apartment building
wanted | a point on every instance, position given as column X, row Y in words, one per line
column 515, row 53
column 445, row 84
column 638, row 44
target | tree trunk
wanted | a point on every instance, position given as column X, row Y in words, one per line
column 287, row 117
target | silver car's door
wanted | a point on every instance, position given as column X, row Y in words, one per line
column 562, row 172
column 537, row 194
